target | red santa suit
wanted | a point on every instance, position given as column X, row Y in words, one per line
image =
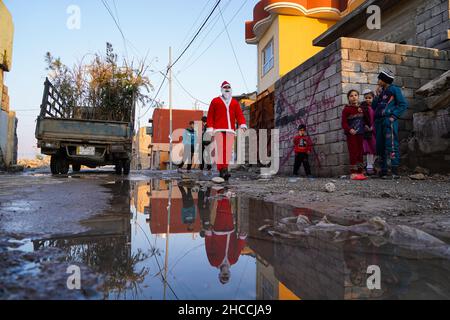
column 223, row 245
column 222, row 118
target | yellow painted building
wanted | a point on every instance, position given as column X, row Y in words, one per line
column 8, row 145
column 284, row 32
column 6, row 37
column 141, row 149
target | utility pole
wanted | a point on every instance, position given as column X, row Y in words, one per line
column 166, row 258
column 170, row 108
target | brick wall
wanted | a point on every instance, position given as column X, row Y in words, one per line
column 315, row 93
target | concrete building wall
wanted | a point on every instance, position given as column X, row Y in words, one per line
column 296, row 34
column 315, row 93
column 413, row 22
column 3, row 138
column 6, row 37
column 1, row 86
column 398, row 24
column 8, row 121
column 268, row 79
column 141, row 150
column 11, row 148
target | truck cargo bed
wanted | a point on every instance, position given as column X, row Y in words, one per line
column 89, row 131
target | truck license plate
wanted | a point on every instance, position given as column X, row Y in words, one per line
column 86, row 151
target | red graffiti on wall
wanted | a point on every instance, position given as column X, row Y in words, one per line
column 310, row 118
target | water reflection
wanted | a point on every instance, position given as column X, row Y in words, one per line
column 314, row 267
column 178, row 240
column 223, row 241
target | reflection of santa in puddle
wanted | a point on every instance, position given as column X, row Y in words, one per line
column 222, row 241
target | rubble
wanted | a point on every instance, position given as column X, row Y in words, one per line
column 436, row 92
column 330, row 187
column 377, row 230
column 15, row 168
column 418, row 176
column 40, row 162
column 429, row 146
column 422, row 170
column 218, row 180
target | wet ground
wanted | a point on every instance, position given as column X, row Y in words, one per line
column 157, row 236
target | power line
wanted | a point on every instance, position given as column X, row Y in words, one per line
column 157, row 261
column 217, row 37
column 211, row 26
column 234, row 51
column 156, row 95
column 198, row 18
column 188, row 93
column 198, row 32
column 116, row 11
column 117, row 25
column 184, row 51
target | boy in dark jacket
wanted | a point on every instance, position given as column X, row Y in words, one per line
column 303, row 147
column 205, row 143
column 389, row 104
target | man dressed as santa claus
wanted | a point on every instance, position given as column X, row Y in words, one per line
column 223, row 242
column 223, row 114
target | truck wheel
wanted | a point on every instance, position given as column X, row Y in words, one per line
column 118, row 168
column 54, row 165
column 126, row 167
column 64, row 165
column 76, row 167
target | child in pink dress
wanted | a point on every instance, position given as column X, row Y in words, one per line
column 369, row 144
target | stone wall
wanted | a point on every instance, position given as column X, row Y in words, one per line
column 3, row 138
column 413, row 22
column 310, row 94
column 433, row 25
column 315, row 93
column 8, row 139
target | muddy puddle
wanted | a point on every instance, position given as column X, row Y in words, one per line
column 177, row 240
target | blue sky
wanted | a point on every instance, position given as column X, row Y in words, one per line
column 150, row 26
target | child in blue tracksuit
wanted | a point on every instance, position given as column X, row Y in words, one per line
column 389, row 105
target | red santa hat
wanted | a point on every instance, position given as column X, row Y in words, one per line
column 225, row 83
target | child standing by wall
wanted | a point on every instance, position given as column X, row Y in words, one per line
column 353, row 123
column 370, row 139
column 389, row 104
column 303, row 147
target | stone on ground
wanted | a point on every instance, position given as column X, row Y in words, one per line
column 218, row 180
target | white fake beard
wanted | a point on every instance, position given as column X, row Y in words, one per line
column 227, row 94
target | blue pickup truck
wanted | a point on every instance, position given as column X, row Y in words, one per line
column 78, row 137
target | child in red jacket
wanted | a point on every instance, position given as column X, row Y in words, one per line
column 303, row 147
column 353, row 123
